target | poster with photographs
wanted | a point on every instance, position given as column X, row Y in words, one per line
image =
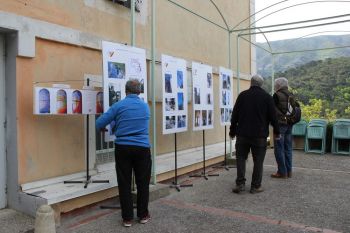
column 174, row 95
column 203, row 98
column 226, row 95
column 64, row 101
column 121, row 63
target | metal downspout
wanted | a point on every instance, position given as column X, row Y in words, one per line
column 238, row 77
column 153, row 63
column 132, row 9
column 273, row 75
column 230, row 67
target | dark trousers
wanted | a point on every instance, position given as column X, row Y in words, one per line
column 258, row 148
column 128, row 158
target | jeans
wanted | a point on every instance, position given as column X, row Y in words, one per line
column 283, row 150
column 128, row 158
column 258, row 148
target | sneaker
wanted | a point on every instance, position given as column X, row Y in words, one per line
column 145, row 219
column 239, row 188
column 127, row 223
column 256, row 190
column 278, row 175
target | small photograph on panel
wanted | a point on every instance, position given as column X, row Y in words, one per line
column 228, row 97
column 170, row 104
column 228, row 82
column 209, row 80
column 181, row 121
column 142, row 83
column 99, row 102
column 77, row 102
column 135, row 66
column 223, row 97
column 209, row 99
column 116, row 70
column 170, row 122
column 197, row 118
column 180, row 79
column 197, row 96
column 167, row 83
column 204, row 117
column 210, row 117
column 227, row 115
column 224, row 81
column 61, row 102
column 222, row 114
column 114, row 93
column 180, row 100
column 44, row 101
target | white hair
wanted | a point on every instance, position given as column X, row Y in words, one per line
column 256, row 80
column 280, row 83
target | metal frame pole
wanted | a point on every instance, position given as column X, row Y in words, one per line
column 153, row 64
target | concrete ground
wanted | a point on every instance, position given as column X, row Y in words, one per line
column 315, row 199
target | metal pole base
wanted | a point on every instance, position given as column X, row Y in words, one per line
column 205, row 176
column 226, row 167
column 85, row 182
column 178, row 186
column 113, row 207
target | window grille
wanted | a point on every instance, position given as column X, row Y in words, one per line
column 104, row 150
column 127, row 3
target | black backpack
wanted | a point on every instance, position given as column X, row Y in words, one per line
column 293, row 113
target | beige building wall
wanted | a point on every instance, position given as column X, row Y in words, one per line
column 50, row 146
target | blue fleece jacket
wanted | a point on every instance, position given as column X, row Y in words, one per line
column 131, row 116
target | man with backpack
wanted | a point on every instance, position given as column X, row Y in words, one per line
column 288, row 113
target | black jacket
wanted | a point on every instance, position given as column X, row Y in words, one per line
column 254, row 110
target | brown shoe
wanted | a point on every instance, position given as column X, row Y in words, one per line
column 127, row 223
column 289, row 174
column 277, row 175
column 145, row 219
column 239, row 188
column 256, row 190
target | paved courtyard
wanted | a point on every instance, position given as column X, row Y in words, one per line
column 316, row 199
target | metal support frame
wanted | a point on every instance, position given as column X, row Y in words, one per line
column 88, row 179
column 234, row 29
column 204, row 174
column 175, row 183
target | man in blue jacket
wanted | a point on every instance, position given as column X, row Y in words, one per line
column 253, row 112
column 132, row 150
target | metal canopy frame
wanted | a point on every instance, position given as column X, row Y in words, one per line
column 252, row 30
column 241, row 33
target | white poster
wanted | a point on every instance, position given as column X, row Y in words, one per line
column 203, row 98
column 64, row 101
column 174, row 95
column 121, row 63
column 226, row 95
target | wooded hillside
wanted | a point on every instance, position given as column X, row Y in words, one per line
column 286, row 61
column 323, row 82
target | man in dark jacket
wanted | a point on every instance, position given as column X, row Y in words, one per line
column 253, row 112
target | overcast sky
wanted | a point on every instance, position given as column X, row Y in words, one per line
column 302, row 12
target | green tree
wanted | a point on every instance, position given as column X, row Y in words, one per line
column 317, row 109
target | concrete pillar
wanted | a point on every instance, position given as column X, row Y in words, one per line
column 45, row 221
